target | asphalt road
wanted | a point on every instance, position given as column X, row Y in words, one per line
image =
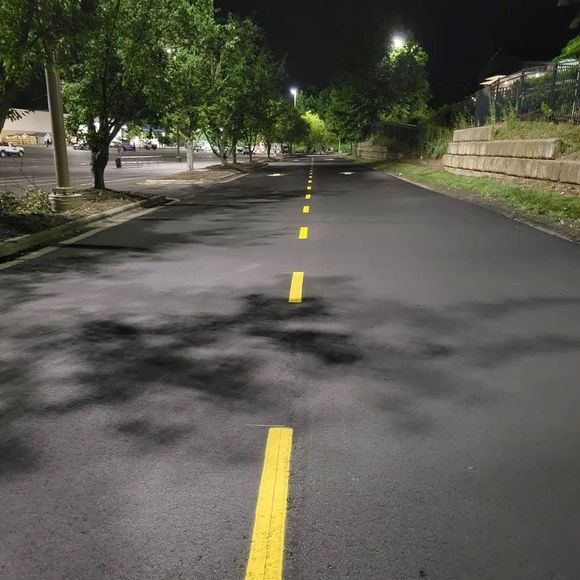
column 37, row 168
column 430, row 375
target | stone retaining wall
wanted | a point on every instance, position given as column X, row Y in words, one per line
column 472, row 152
column 367, row 150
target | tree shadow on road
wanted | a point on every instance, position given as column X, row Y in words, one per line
column 160, row 379
column 134, row 370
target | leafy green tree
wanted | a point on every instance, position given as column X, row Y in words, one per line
column 29, row 31
column 395, row 89
column 258, row 108
column 317, row 135
column 348, row 110
column 120, row 72
column 310, row 99
column 192, row 27
column 222, row 69
column 287, row 126
column 404, row 89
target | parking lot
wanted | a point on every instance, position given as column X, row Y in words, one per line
column 36, row 168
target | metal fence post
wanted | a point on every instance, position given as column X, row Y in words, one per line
column 575, row 103
column 552, row 98
column 520, row 98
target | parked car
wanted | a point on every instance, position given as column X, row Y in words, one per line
column 128, row 146
column 9, row 150
column 148, row 144
column 123, row 145
column 81, row 146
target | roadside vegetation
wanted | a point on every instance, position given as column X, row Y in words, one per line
column 31, row 212
column 514, row 128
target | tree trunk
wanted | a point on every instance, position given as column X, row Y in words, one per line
column 251, row 154
column 5, row 102
column 99, row 160
column 234, row 151
column 223, row 157
column 189, row 154
column 269, row 148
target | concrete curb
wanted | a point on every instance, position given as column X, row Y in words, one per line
column 504, row 211
column 206, row 184
column 13, row 246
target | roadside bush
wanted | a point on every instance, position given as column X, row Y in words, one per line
column 434, row 141
column 381, row 140
column 35, row 201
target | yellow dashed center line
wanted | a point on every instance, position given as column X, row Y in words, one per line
column 295, row 296
column 306, row 209
column 303, row 233
column 307, row 196
column 308, row 187
column 266, row 560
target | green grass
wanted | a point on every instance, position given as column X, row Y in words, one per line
column 528, row 201
column 516, row 129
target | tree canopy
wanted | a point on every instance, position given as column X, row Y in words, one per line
column 178, row 64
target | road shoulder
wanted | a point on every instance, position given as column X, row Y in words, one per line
column 557, row 217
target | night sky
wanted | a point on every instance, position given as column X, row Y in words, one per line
column 460, row 36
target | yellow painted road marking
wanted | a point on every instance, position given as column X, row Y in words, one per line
column 295, row 296
column 307, row 196
column 308, row 187
column 306, row 209
column 303, row 235
column 310, row 181
column 266, row 558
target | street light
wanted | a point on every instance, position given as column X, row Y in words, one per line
column 294, row 93
column 398, row 41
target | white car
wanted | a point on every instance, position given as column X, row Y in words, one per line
column 7, row 150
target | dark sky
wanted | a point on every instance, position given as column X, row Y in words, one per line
column 460, row 36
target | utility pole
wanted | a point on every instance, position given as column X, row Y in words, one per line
column 55, row 107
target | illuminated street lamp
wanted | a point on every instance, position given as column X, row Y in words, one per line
column 294, row 93
column 398, row 41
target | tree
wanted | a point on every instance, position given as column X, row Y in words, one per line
column 258, row 109
column 187, row 48
column 29, row 30
column 348, row 110
column 120, row 73
column 222, row 71
column 285, row 125
column 317, row 135
column 404, row 89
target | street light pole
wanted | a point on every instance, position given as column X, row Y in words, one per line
column 55, row 107
column 294, row 93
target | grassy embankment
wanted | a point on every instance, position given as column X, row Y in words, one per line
column 552, row 205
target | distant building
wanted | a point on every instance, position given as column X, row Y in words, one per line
column 29, row 129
